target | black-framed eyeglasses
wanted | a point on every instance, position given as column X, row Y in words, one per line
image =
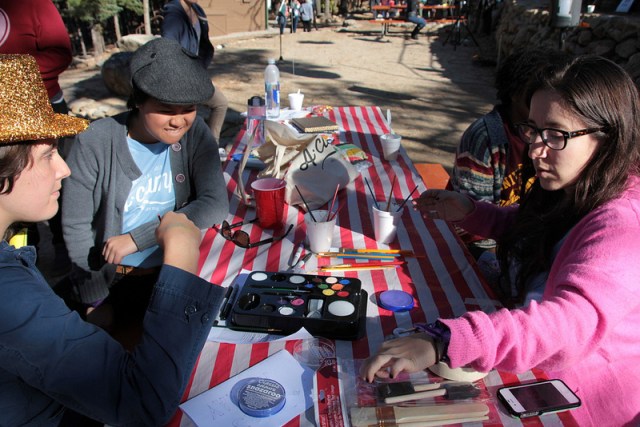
column 242, row 239
column 556, row 139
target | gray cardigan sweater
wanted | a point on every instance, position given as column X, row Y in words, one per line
column 102, row 170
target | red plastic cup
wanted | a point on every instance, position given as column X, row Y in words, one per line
column 269, row 196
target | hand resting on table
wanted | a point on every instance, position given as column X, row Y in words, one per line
column 409, row 354
column 443, row 204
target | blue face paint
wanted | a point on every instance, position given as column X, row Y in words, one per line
column 260, row 397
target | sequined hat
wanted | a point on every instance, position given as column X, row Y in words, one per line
column 161, row 68
column 25, row 112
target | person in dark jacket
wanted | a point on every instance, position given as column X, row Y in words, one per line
column 52, row 361
column 186, row 22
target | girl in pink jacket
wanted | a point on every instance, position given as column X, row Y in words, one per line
column 574, row 240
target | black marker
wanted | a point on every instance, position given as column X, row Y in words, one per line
column 227, row 295
column 226, row 303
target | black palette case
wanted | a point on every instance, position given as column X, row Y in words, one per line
column 282, row 303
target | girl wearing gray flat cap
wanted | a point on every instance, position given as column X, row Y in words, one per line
column 127, row 172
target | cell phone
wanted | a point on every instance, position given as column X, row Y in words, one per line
column 541, row 397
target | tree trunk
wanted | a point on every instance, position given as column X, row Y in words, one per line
column 327, row 9
column 116, row 25
column 83, row 46
column 344, row 8
column 98, row 40
column 147, row 19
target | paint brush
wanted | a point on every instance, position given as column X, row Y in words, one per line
column 335, row 214
column 407, row 199
column 367, row 264
column 379, row 267
column 389, row 257
column 418, row 415
column 366, row 181
column 305, row 204
column 374, row 251
column 333, row 201
column 393, row 183
column 449, row 391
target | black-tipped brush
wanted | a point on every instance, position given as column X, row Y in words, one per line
column 392, row 393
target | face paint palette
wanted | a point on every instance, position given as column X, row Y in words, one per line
column 327, row 306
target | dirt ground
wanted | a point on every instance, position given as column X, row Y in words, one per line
column 433, row 90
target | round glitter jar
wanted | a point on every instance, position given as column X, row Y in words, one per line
column 260, row 397
column 396, row 300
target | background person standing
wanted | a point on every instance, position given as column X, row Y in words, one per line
column 413, row 15
column 185, row 22
column 306, row 14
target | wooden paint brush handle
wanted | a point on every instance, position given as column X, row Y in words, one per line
column 442, row 413
column 415, row 396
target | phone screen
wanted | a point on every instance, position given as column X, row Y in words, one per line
column 541, row 396
column 538, row 398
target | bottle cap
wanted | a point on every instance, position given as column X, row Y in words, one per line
column 256, row 101
column 396, row 300
column 260, row 397
column 271, row 61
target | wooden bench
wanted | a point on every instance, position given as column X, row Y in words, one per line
column 385, row 24
column 433, row 175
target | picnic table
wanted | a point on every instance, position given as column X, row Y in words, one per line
column 444, row 280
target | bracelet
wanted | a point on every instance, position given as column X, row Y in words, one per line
column 441, row 335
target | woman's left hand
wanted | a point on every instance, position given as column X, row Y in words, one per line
column 411, row 354
column 118, row 247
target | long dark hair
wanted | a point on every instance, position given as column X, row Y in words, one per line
column 601, row 94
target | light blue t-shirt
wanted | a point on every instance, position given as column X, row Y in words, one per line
column 152, row 194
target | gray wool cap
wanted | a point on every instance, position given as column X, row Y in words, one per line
column 161, row 68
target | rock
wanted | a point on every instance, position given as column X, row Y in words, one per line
column 602, row 47
column 626, row 48
column 584, row 38
column 131, row 42
column 116, row 75
column 91, row 109
column 633, row 66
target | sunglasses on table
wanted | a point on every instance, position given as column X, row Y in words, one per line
column 242, row 239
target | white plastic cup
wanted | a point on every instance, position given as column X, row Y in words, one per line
column 390, row 145
column 591, row 8
column 295, row 101
column 320, row 231
column 385, row 224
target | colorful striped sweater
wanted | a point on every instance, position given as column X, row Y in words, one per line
column 481, row 168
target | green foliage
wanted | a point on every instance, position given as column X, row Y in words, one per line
column 132, row 5
column 94, row 11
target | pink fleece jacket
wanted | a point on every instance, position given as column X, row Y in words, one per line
column 586, row 330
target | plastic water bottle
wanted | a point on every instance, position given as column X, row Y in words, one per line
column 256, row 112
column 272, row 89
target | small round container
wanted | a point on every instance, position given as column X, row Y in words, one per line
column 260, row 397
column 396, row 300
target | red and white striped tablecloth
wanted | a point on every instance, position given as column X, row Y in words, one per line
column 444, row 283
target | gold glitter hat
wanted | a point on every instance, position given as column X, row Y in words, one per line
column 25, row 112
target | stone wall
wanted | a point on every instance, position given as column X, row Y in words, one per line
column 615, row 37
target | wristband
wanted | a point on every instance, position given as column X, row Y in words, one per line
column 441, row 335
